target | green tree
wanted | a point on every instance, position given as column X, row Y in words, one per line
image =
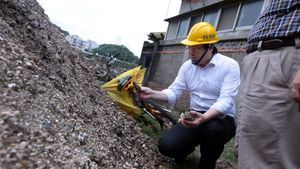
column 120, row 52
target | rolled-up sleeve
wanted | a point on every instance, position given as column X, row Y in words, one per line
column 175, row 90
column 171, row 96
column 228, row 91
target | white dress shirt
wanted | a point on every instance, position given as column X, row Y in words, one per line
column 212, row 87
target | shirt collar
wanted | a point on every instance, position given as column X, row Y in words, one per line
column 214, row 61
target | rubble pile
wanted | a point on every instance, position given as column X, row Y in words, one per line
column 52, row 112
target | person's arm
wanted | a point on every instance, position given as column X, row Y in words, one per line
column 148, row 93
column 171, row 93
column 296, row 87
column 228, row 91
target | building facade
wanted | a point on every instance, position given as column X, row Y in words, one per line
column 233, row 20
column 81, row 44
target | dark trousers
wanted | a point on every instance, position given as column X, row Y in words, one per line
column 179, row 141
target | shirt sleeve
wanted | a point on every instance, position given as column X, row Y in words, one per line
column 228, row 91
column 175, row 90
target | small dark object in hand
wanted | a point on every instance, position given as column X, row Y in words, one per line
column 187, row 116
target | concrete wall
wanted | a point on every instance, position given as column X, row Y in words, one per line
column 189, row 5
column 167, row 64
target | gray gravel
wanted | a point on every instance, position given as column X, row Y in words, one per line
column 53, row 113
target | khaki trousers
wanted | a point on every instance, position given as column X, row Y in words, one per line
column 268, row 133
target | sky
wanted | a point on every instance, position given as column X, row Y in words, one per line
column 118, row 22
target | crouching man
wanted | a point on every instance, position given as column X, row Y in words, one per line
column 212, row 80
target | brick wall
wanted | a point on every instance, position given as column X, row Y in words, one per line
column 182, row 104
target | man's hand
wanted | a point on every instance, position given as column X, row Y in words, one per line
column 146, row 93
column 296, row 87
column 236, row 151
column 199, row 119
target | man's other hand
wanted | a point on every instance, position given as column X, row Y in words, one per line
column 199, row 119
column 296, row 87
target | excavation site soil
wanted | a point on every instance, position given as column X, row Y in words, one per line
column 53, row 113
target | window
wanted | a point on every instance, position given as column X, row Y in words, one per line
column 211, row 17
column 236, row 16
column 249, row 12
column 194, row 20
column 227, row 18
column 183, row 27
column 172, row 30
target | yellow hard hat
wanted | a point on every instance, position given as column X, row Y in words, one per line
column 201, row 33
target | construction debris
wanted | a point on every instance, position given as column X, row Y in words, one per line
column 53, row 113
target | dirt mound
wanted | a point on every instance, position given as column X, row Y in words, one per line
column 52, row 111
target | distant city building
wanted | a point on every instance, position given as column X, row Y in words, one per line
column 91, row 45
column 78, row 42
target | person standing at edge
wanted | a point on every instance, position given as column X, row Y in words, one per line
column 269, row 120
column 212, row 80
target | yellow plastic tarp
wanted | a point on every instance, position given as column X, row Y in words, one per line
column 123, row 97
